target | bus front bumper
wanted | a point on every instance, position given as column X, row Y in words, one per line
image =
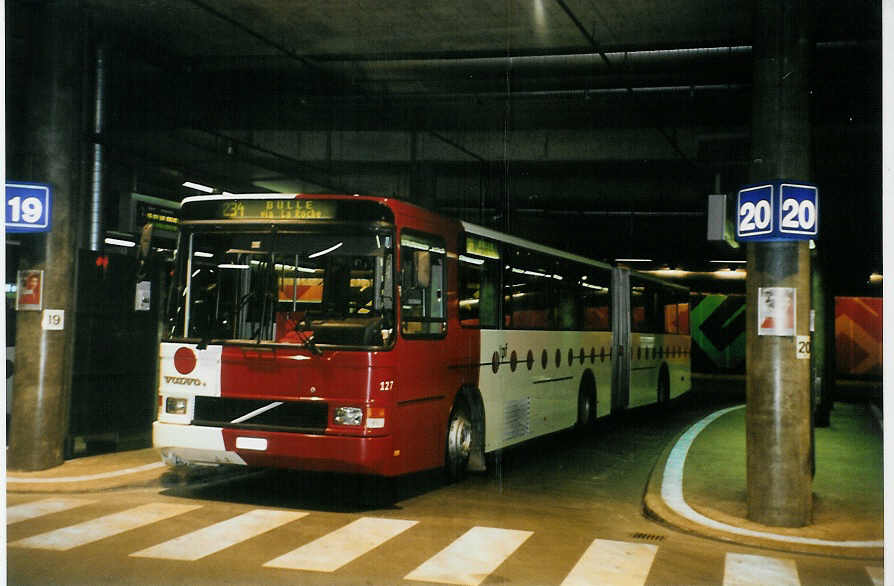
column 210, row 446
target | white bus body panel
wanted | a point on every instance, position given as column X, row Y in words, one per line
column 524, row 403
column 192, row 444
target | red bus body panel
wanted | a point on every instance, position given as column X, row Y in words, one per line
column 415, row 381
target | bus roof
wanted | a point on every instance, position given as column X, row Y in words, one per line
column 467, row 226
column 514, row 240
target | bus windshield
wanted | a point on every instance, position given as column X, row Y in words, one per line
column 329, row 287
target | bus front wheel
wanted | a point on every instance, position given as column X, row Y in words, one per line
column 459, row 443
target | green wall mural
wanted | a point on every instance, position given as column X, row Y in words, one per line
column 718, row 333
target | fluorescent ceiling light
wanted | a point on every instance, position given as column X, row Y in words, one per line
column 633, row 260
column 327, row 251
column 198, row 187
column 201, row 254
column 591, row 286
column 119, row 242
column 469, row 259
column 232, row 266
column 730, row 274
column 728, row 262
column 670, row 273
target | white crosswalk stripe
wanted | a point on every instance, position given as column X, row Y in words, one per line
column 469, row 560
column 107, row 526
column 876, row 574
column 613, row 563
column 32, row 510
column 757, row 570
column 342, row 546
column 472, row 557
column 217, row 537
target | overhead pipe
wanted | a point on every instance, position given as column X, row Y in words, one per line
column 96, row 183
column 590, row 63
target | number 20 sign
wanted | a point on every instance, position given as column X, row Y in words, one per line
column 777, row 211
column 28, row 207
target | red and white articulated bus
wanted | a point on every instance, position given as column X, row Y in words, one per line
column 369, row 335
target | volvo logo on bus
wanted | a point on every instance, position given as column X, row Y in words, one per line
column 184, row 380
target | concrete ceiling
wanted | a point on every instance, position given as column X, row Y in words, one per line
column 598, row 125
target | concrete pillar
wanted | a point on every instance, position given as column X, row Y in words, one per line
column 54, row 136
column 778, row 428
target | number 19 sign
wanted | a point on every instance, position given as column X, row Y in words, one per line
column 777, row 211
column 28, row 207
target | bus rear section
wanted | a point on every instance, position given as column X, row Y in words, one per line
column 651, row 339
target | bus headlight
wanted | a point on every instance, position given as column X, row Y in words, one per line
column 175, row 405
column 349, row 415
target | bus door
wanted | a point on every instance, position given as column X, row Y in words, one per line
column 425, row 377
column 620, row 339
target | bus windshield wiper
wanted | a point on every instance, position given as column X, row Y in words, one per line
column 308, row 342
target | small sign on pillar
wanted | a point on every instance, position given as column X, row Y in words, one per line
column 28, row 207
column 777, row 211
column 53, row 319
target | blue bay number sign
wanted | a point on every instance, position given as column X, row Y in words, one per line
column 28, row 207
column 776, row 211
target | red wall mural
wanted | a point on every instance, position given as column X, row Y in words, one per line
column 858, row 335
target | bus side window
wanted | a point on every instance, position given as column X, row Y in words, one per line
column 568, row 302
column 423, row 298
column 479, row 281
column 528, row 292
column 676, row 312
column 595, row 290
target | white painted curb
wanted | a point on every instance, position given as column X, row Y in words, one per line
column 672, row 494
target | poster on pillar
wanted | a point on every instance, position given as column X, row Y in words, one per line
column 776, row 311
column 29, row 290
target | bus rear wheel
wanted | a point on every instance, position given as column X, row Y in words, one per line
column 586, row 404
column 459, row 443
column 663, row 386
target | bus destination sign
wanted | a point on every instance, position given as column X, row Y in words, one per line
column 282, row 209
column 277, row 209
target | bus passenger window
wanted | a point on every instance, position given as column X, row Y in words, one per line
column 643, row 303
column 671, row 319
column 478, row 292
column 683, row 317
column 595, row 291
column 567, row 309
column 528, row 292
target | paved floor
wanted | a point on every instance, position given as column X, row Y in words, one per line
column 562, row 510
column 63, row 539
